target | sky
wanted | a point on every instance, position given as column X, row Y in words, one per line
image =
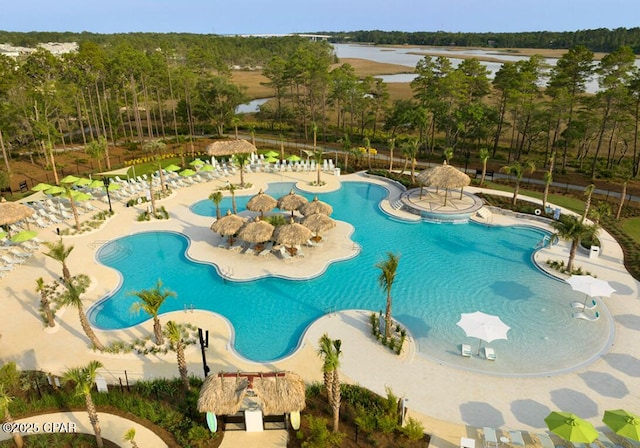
column 298, row 16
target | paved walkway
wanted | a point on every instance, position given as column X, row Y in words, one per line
column 451, row 402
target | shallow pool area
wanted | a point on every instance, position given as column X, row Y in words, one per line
column 444, row 270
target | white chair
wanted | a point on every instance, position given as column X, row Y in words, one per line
column 10, row 260
column 516, row 438
column 465, row 350
column 489, row 354
column 606, row 442
column 490, row 438
column 545, row 440
column 583, row 316
column 582, row 306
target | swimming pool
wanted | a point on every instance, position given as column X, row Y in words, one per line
column 444, row 270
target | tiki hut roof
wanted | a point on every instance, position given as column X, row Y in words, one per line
column 444, row 176
column 230, row 147
column 317, row 222
column 278, row 392
column 316, row 206
column 11, row 212
column 261, row 203
column 257, row 231
column 292, row 234
column 291, row 201
column 228, row 224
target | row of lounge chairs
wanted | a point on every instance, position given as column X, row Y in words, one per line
column 515, row 438
column 489, row 353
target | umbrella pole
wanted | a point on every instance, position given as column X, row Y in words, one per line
column 479, row 346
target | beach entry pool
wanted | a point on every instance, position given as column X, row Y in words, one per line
column 444, row 270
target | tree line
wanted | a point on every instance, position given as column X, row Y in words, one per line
column 104, row 94
column 597, row 40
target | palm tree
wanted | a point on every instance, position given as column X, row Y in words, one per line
column 174, row 333
column 600, row 211
column 152, row 196
column 387, row 276
column 484, row 156
column 241, row 159
column 548, row 178
column 129, row 436
column 517, row 170
column 588, row 191
column 75, row 287
column 330, row 351
column 97, row 149
column 84, row 377
column 216, row 197
column 317, row 157
column 392, row 146
column 59, row 252
column 5, row 401
column 448, row 155
column 150, row 302
column 569, row 227
column 156, row 147
column 45, row 303
column 232, row 190
column 410, row 151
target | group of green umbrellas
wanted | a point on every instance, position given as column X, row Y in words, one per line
column 576, row 430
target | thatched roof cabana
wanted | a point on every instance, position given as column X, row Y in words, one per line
column 318, row 222
column 316, row 206
column 278, row 392
column 444, row 176
column 261, row 203
column 230, row 147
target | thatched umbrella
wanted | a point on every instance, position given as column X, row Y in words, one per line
column 230, row 147
column 12, row 212
column 228, row 225
column 257, row 231
column 261, row 203
column 317, row 222
column 444, row 176
column 316, row 206
column 278, row 392
column 292, row 234
column 291, row 202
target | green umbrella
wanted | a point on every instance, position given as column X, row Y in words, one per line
column 113, row 186
column 23, row 236
column 207, row 167
column 172, row 168
column 2, row 234
column 70, row 179
column 293, row 158
column 271, row 159
column 80, row 196
column 271, row 154
column 41, row 187
column 55, row 190
column 196, row 162
column 187, row 172
column 623, row 423
column 96, row 184
column 83, row 181
column 571, row 427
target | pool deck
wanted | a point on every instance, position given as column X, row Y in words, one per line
column 451, row 402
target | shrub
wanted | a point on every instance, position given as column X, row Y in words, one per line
column 413, row 429
column 319, row 435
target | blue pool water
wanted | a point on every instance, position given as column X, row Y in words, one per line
column 444, row 270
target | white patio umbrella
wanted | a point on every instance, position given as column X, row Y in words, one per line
column 591, row 286
column 485, row 327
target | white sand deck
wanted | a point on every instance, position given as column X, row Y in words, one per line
column 451, row 402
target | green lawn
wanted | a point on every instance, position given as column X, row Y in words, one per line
column 571, row 203
column 631, row 227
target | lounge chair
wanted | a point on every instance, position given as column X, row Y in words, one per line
column 582, row 306
column 490, row 438
column 581, row 315
column 11, row 260
column 15, row 252
column 545, row 440
column 489, row 353
column 465, row 350
column 284, row 253
column 516, row 438
column 606, row 442
column 466, row 442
